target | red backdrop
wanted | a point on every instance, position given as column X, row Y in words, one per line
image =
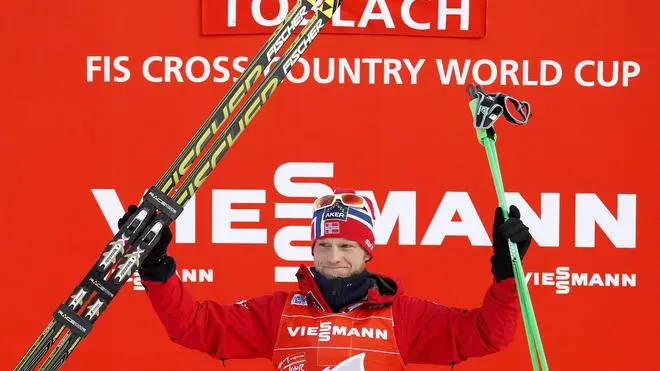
column 64, row 136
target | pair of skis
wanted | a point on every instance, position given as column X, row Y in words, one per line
column 162, row 203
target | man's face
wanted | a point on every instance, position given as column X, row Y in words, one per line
column 339, row 257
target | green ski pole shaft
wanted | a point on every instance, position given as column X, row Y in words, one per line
column 531, row 326
column 529, row 318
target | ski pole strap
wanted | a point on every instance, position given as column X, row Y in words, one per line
column 491, row 106
column 522, row 112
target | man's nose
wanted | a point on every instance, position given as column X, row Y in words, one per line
column 335, row 254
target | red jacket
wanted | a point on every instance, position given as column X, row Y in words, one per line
column 425, row 332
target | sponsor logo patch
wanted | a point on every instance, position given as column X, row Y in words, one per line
column 336, row 211
column 299, row 299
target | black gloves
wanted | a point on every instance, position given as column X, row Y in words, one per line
column 158, row 266
column 512, row 229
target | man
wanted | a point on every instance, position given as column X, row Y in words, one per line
column 342, row 317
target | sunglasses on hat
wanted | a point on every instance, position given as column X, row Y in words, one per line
column 348, row 199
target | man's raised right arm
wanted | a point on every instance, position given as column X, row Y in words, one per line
column 247, row 329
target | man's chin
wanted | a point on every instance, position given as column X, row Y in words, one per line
column 335, row 273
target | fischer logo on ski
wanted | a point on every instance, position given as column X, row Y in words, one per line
column 288, row 65
column 288, row 31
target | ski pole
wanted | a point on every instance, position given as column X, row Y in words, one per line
column 486, row 109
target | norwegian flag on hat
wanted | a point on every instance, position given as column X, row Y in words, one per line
column 342, row 221
column 331, row 227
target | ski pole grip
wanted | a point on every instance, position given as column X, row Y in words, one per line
column 163, row 203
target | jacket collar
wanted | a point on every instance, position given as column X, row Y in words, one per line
column 382, row 292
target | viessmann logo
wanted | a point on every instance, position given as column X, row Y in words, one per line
column 399, row 222
column 563, row 279
column 326, row 330
column 450, row 18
